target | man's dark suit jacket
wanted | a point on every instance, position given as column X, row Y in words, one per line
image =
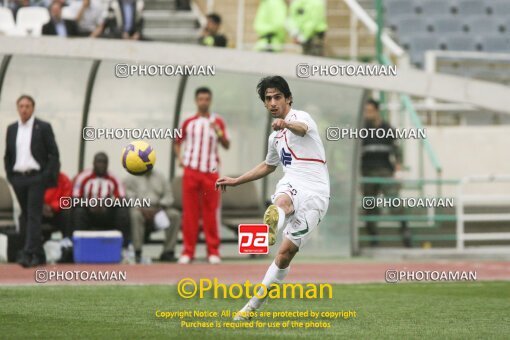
column 71, row 28
column 44, row 150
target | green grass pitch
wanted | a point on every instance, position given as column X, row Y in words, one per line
column 478, row 310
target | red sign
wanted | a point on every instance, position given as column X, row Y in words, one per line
column 253, row 238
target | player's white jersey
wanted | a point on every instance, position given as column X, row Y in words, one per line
column 303, row 158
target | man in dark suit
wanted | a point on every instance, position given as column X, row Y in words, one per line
column 31, row 164
column 57, row 25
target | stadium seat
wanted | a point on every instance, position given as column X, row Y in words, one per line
column 391, row 21
column 500, row 8
column 455, row 25
column 419, row 44
column 242, row 199
column 506, row 25
column 458, row 42
column 431, row 8
column 471, row 7
column 495, row 43
column 68, row 13
column 177, row 192
column 6, row 206
column 404, row 41
column 451, row 69
column 446, row 24
column 482, row 25
column 485, row 74
column 395, row 8
column 32, row 19
column 6, row 20
column 410, row 24
column 241, row 204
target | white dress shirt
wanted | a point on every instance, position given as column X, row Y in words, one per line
column 60, row 28
column 92, row 17
column 24, row 159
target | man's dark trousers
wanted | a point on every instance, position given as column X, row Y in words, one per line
column 29, row 189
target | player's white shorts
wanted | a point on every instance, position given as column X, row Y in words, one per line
column 309, row 210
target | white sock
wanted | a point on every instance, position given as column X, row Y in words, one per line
column 66, row 243
column 282, row 219
column 273, row 275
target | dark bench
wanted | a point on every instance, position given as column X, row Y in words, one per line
column 6, row 206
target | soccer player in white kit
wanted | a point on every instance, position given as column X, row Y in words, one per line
column 302, row 196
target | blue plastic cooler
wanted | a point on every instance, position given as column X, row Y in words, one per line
column 97, row 246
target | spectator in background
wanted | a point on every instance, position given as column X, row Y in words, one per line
column 31, row 163
column 60, row 219
column 89, row 16
column 57, row 25
column 182, row 5
column 210, row 35
column 16, row 5
column 47, row 3
column 128, row 15
column 160, row 216
column 381, row 157
column 270, row 25
column 99, row 183
column 201, row 135
column 308, row 25
column 111, row 29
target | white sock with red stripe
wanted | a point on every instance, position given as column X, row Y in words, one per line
column 273, row 275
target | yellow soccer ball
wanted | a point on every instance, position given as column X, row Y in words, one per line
column 138, row 157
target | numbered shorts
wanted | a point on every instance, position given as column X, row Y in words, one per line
column 309, row 210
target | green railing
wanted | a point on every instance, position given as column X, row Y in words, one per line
column 406, row 102
column 409, row 184
column 424, row 145
column 420, row 181
column 424, row 223
column 425, row 148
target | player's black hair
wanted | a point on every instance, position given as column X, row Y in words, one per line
column 374, row 103
column 275, row 82
column 214, row 18
column 202, row 89
column 101, row 154
column 26, row 96
column 54, row 2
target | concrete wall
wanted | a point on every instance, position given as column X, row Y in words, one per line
column 466, row 151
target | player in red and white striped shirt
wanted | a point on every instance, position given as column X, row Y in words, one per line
column 88, row 184
column 197, row 152
column 99, row 183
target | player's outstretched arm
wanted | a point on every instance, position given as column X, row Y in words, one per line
column 261, row 170
column 297, row 128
